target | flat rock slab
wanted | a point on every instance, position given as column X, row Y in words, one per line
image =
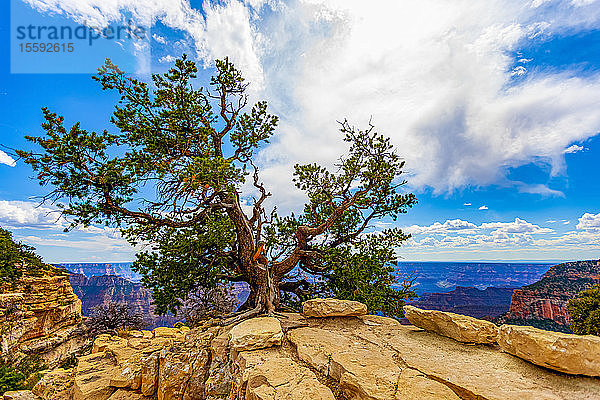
column 572, row 354
column 320, row 308
column 256, row 333
column 20, row 395
column 458, row 327
column 472, row 371
column 363, row 370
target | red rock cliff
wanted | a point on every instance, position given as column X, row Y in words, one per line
column 548, row 298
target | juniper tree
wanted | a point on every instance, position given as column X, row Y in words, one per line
column 170, row 177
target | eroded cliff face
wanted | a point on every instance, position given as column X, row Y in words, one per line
column 40, row 315
column 97, row 290
column 548, row 298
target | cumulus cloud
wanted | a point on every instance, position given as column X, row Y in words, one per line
column 25, row 214
column 517, row 226
column 167, row 59
column 435, row 75
column 589, row 222
column 224, row 29
column 517, row 235
column 482, row 208
column 454, row 225
column 6, row 159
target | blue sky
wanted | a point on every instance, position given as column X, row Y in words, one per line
column 494, row 106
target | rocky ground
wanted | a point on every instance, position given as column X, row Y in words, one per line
column 318, row 356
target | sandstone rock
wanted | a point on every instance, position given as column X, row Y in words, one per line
column 333, row 308
column 183, row 368
column 167, row 332
column 40, row 315
column 458, row 327
column 56, row 385
column 256, row 333
column 268, row 375
column 473, row 372
column 92, row 377
column 220, row 379
column 108, row 342
column 20, row 395
column 122, row 394
column 149, row 374
column 363, row 370
column 572, row 354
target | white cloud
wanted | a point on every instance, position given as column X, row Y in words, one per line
column 25, row 214
column 159, row 39
column 454, row 225
column 517, row 226
column 6, row 159
column 519, row 71
column 483, row 208
column 467, row 204
column 589, row 222
column 516, row 236
column 573, row 149
column 223, row 30
column 435, row 75
column 167, row 59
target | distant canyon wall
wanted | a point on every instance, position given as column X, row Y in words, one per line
column 548, row 298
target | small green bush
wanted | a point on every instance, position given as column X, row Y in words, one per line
column 15, row 258
column 585, row 312
column 11, row 379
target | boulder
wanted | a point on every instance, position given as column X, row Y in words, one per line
column 93, row 375
column 167, row 332
column 20, row 395
column 458, row 327
column 55, row 385
column 256, row 333
column 571, row 354
column 320, row 308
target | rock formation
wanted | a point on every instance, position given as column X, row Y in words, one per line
column 40, row 315
column 548, row 298
column 297, row 358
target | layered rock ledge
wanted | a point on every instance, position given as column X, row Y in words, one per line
column 40, row 315
column 362, row 357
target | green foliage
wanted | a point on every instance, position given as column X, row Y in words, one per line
column 171, row 178
column 585, row 312
column 22, row 376
column 16, row 258
column 69, row 362
column 11, row 379
column 364, row 272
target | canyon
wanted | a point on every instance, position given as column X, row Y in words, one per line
column 547, row 299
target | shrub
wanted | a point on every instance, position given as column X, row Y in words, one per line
column 15, row 258
column 114, row 317
column 11, row 379
column 204, row 303
column 585, row 312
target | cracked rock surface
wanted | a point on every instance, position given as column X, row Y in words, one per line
column 335, row 358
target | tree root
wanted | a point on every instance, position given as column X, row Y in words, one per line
column 240, row 316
